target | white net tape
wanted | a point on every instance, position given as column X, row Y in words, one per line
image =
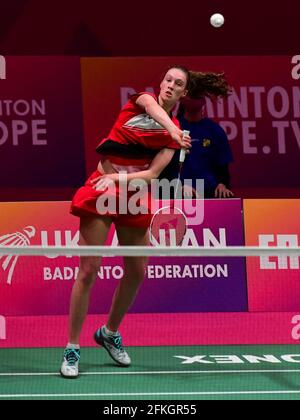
column 147, row 251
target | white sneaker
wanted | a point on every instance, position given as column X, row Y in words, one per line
column 70, row 364
column 113, row 345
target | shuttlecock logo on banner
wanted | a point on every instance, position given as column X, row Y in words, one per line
column 17, row 239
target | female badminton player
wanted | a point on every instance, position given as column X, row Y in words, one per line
column 141, row 143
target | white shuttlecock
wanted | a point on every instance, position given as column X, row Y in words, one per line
column 217, row 20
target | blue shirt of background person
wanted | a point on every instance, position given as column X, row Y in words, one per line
column 209, row 157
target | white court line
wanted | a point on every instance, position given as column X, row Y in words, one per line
column 159, row 372
column 147, row 394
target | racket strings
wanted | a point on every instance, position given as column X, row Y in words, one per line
column 168, row 227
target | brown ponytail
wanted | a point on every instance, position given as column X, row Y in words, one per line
column 212, row 85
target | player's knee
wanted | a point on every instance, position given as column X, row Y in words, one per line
column 89, row 271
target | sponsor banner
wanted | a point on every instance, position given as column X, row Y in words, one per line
column 41, row 131
column 273, row 283
column 261, row 118
column 42, row 285
column 178, row 329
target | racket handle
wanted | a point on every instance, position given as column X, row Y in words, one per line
column 183, row 151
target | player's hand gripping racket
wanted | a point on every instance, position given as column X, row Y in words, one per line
column 168, row 224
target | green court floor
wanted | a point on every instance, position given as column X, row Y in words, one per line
column 157, row 373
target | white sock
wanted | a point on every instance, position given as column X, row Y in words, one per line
column 109, row 332
column 73, row 346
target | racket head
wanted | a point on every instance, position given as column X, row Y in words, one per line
column 168, row 227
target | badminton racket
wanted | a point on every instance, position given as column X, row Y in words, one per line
column 169, row 223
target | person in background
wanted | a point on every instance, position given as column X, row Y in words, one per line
column 210, row 155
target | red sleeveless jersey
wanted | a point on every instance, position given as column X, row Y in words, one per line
column 136, row 136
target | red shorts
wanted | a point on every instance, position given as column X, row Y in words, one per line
column 86, row 203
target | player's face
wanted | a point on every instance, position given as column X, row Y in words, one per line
column 173, row 86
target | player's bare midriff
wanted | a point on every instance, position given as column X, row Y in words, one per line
column 105, row 166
